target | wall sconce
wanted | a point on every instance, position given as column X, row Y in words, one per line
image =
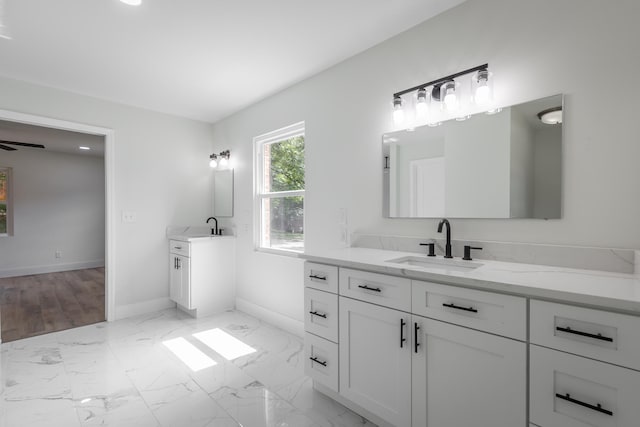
column 221, row 159
column 446, row 95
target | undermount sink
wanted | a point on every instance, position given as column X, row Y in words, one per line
column 439, row 263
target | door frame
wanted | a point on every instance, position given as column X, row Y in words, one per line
column 109, row 178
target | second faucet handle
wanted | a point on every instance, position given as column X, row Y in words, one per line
column 467, row 252
column 432, row 248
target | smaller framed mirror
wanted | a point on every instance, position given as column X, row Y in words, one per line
column 223, row 193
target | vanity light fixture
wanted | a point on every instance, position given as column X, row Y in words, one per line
column 450, row 94
column 551, row 116
column 221, row 159
column 398, row 110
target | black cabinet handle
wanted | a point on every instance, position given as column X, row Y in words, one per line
column 179, row 263
column 177, row 247
column 584, row 334
column 315, row 359
column 402, row 338
column 598, row 407
column 457, row 307
column 369, row 288
column 315, row 313
column 315, row 276
column 416, row 328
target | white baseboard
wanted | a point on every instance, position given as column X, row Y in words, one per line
column 130, row 310
column 53, row 268
column 293, row 326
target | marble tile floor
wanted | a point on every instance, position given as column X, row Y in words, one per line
column 123, row 374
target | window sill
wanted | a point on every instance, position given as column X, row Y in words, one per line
column 284, row 252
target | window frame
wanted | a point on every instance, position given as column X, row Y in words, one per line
column 9, row 201
column 259, row 142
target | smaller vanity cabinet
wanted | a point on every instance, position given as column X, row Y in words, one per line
column 584, row 367
column 180, row 273
column 201, row 274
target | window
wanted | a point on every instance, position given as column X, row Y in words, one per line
column 279, row 172
column 5, row 201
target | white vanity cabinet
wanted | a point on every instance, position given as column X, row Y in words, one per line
column 375, row 359
column 463, row 377
column 583, row 367
column 420, row 354
column 201, row 274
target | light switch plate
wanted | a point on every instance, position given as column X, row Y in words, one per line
column 129, row 216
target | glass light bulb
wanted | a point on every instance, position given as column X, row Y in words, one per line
column 223, row 162
column 450, row 99
column 483, row 95
column 421, row 109
column 213, row 163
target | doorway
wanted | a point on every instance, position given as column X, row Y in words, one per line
column 80, row 291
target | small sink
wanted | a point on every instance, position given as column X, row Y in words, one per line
column 439, row 263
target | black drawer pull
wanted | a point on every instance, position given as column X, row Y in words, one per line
column 315, row 276
column 402, row 338
column 315, row 359
column 416, row 328
column 315, row 313
column 369, row 288
column 457, row 307
column 597, row 408
column 584, row 334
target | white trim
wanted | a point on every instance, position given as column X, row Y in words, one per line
column 281, row 134
column 51, row 268
column 151, row 306
column 109, row 165
column 288, row 324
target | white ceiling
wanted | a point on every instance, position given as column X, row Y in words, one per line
column 203, row 59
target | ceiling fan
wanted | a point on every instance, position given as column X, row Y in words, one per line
column 6, row 145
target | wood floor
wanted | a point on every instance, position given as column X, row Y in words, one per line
column 43, row 303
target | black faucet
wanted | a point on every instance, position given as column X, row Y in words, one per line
column 214, row 231
column 447, row 247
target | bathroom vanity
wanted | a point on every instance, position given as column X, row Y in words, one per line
column 201, row 273
column 448, row 344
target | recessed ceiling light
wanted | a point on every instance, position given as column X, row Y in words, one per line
column 132, row 2
column 552, row 116
column 82, row 147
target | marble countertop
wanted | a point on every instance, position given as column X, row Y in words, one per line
column 197, row 238
column 615, row 291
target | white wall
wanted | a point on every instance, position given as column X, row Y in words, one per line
column 58, row 205
column 161, row 173
column 535, row 49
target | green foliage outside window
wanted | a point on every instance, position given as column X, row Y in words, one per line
column 287, row 174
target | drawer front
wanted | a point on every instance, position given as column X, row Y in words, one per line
column 389, row 291
column 486, row 311
column 601, row 335
column 321, row 276
column 321, row 314
column 321, row 362
column 572, row 391
column 180, row 248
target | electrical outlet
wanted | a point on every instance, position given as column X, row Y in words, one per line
column 342, row 216
column 58, row 253
column 129, row 216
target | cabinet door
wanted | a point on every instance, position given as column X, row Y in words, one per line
column 463, row 377
column 184, row 266
column 175, row 278
column 375, row 366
